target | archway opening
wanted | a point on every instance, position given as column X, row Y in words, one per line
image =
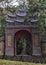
column 23, row 43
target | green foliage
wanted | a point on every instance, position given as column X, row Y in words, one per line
column 1, row 9
column 10, row 62
column 11, row 9
column 23, row 46
column 23, row 42
column 37, row 9
column 2, row 26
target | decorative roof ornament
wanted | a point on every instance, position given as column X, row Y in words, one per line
column 20, row 15
column 22, row 9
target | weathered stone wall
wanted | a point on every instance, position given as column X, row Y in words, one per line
column 44, row 48
column 1, row 48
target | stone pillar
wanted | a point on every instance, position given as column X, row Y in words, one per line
column 36, row 44
column 9, row 50
column 15, row 49
column 1, row 48
column 44, row 48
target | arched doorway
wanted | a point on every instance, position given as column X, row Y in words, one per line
column 23, row 43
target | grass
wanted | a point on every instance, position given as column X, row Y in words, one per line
column 9, row 62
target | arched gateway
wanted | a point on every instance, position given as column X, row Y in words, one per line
column 22, row 39
column 23, row 43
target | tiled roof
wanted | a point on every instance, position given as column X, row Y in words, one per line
column 11, row 15
column 33, row 20
column 9, row 21
column 19, row 14
column 22, row 9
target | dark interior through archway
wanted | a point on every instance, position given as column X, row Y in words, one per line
column 23, row 43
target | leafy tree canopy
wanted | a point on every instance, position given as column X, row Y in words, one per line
column 37, row 8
